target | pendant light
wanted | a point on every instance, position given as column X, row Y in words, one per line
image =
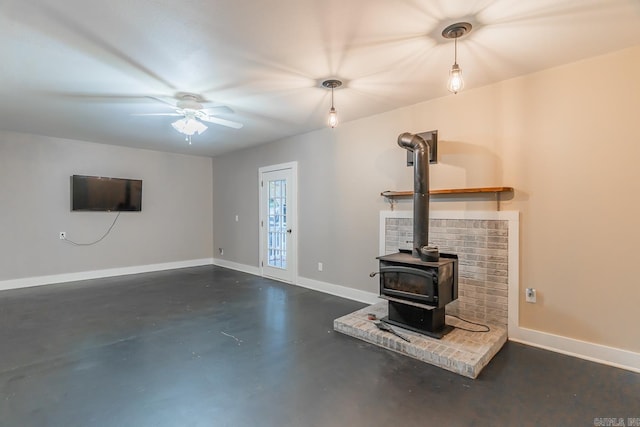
column 333, row 114
column 453, row 31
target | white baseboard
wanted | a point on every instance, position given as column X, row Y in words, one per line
column 341, row 291
column 97, row 274
column 250, row 269
column 605, row 355
column 316, row 285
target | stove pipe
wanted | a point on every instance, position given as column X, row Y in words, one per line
column 420, row 148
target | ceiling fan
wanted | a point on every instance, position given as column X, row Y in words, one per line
column 189, row 107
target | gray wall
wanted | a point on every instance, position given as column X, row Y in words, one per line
column 341, row 173
column 174, row 225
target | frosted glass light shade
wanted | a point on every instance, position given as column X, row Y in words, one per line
column 189, row 126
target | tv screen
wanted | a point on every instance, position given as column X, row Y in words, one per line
column 97, row 193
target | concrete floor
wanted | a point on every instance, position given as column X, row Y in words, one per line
column 208, row 346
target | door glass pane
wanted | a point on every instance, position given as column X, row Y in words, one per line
column 276, row 223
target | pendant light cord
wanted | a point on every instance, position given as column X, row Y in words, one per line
column 455, row 50
column 332, row 87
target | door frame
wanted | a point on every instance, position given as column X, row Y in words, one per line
column 292, row 213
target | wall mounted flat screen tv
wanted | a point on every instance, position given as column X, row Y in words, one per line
column 97, row 193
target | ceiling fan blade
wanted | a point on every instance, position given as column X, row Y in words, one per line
column 158, row 114
column 102, row 97
column 218, row 109
column 223, row 122
column 164, row 100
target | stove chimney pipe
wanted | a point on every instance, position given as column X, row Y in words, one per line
column 420, row 149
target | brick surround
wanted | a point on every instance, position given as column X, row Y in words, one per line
column 482, row 249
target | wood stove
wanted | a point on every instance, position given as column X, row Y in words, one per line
column 419, row 284
column 418, row 291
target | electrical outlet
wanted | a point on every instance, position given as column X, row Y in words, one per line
column 320, row 266
column 237, row 218
column 221, row 251
column 63, row 235
column 530, row 295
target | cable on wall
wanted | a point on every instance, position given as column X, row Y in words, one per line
column 71, row 242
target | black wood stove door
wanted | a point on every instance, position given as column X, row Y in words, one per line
column 416, row 284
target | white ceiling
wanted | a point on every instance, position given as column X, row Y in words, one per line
column 81, row 69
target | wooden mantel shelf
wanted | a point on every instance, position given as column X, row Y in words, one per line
column 450, row 191
column 391, row 195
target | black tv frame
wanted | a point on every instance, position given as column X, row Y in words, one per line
column 105, row 194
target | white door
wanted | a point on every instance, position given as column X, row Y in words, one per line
column 278, row 234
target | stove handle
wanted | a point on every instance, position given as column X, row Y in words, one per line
column 408, row 270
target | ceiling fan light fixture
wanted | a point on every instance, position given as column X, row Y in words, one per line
column 189, row 126
column 333, row 114
column 189, row 107
column 454, row 31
